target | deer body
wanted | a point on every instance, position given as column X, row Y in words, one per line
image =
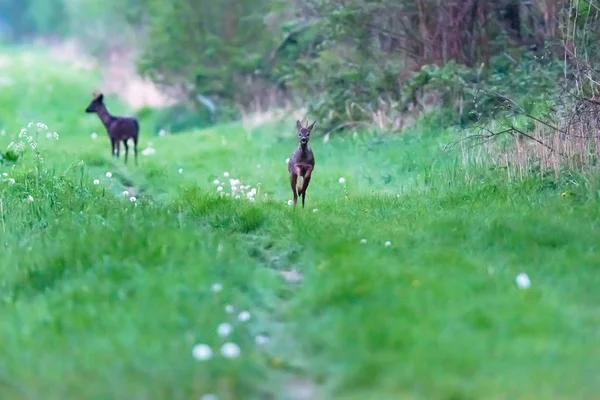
column 119, row 129
column 302, row 163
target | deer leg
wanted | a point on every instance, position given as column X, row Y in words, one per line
column 305, row 183
column 135, row 142
column 117, row 148
column 112, row 145
column 126, row 149
column 293, row 181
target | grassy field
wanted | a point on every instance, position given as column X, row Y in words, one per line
column 105, row 298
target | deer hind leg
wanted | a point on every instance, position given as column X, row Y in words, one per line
column 293, row 182
column 135, row 150
column 113, row 151
column 126, row 149
column 305, row 183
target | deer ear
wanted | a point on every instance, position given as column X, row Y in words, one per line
column 311, row 126
column 298, row 125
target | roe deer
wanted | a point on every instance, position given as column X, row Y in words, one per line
column 119, row 129
column 302, row 162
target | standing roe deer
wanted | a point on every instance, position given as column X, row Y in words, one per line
column 302, row 162
column 120, row 129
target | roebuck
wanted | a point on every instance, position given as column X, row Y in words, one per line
column 302, row 162
column 119, row 129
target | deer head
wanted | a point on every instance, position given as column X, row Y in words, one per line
column 96, row 104
column 304, row 132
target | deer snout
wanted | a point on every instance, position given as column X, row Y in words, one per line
column 303, row 140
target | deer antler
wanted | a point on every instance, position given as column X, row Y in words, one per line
column 96, row 94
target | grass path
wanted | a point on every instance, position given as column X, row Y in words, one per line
column 106, row 298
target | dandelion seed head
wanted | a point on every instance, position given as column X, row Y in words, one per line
column 202, row 352
column 523, row 281
column 96, row 182
column 388, row 243
column 220, row 189
column 261, row 340
column 342, row 180
column 226, row 174
column 315, row 209
column 287, row 160
column 230, row 350
column 216, row 287
column 244, row 316
column 363, row 241
column 229, row 309
column 125, row 193
column 132, row 199
column 30, row 198
column 224, row 329
column 109, row 174
column 94, row 135
column 290, row 202
column 180, row 170
column 216, row 182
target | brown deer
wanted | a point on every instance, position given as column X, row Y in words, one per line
column 302, row 162
column 119, row 129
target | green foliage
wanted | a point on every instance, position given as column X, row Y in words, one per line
column 102, row 297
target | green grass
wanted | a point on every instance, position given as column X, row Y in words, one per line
column 104, row 298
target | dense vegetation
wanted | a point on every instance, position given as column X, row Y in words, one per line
column 353, row 62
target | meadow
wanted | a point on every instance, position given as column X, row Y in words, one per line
column 395, row 282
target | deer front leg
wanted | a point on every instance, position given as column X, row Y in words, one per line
column 293, row 181
column 305, row 183
column 113, row 148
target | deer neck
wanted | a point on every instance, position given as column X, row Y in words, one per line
column 105, row 116
column 303, row 148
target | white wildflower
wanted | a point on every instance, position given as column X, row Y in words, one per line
column 226, row 174
column 261, row 340
column 342, row 180
column 224, row 329
column 96, row 182
column 523, row 281
column 220, row 189
column 290, row 202
column 363, row 241
column 132, row 199
column 315, row 209
column 230, row 350
column 180, row 170
column 94, row 135
column 125, row 193
column 109, row 174
column 388, row 243
column 216, row 182
column 244, row 316
column 202, row 352
column 30, row 198
column 148, row 151
column 11, row 181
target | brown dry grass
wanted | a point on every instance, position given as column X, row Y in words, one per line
column 572, row 146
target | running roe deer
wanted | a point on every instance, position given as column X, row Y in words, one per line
column 119, row 129
column 302, row 162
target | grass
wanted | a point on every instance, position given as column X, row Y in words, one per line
column 102, row 297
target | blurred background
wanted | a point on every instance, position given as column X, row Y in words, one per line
column 377, row 64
